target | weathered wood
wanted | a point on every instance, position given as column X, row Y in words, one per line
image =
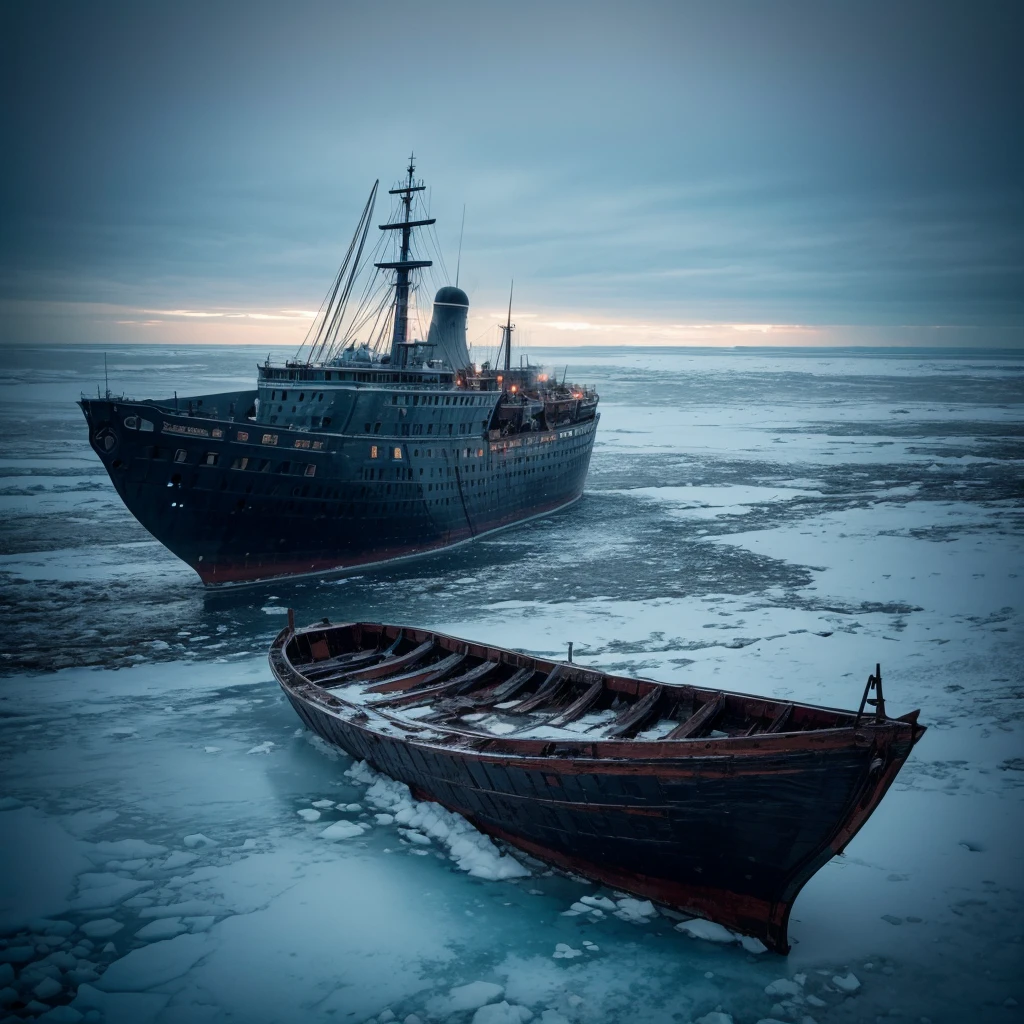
column 422, row 676
column 781, row 719
column 458, row 685
column 545, row 693
column 700, row 720
column 349, row 660
column 383, row 668
column 579, row 707
column 630, row 719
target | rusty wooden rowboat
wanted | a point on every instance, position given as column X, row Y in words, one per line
column 719, row 804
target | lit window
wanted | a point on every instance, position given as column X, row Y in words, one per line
column 398, row 453
column 310, row 469
column 373, row 451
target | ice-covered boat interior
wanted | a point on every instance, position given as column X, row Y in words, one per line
column 414, row 676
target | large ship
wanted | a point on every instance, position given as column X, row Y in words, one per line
column 368, row 447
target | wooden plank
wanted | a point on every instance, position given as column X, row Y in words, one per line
column 348, row 661
column 581, row 705
column 508, row 689
column 424, row 695
column 781, row 719
column 427, row 674
column 384, row 668
column 699, row 720
column 551, row 685
column 633, row 717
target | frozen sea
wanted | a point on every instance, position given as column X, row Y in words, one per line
column 769, row 521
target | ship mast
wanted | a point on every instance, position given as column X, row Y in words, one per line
column 506, row 337
column 404, row 265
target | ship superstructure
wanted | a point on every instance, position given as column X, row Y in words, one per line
column 369, row 446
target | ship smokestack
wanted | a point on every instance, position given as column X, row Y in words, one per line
column 448, row 327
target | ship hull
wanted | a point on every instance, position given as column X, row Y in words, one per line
column 240, row 502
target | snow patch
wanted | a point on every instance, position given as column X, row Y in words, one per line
column 343, row 830
column 472, row 851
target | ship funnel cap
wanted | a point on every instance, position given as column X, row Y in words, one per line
column 449, row 295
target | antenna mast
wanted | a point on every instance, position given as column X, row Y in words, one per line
column 462, row 231
column 403, row 265
column 506, row 335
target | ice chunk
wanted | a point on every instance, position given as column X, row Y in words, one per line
column 847, row 982
column 502, row 1013
column 752, row 945
column 464, row 997
column 384, row 819
column 601, row 902
column 782, row 987
column 187, row 908
column 709, row 931
column 102, row 929
column 161, row 928
column 343, row 830
column 323, row 804
column 308, row 814
column 179, row 859
column 197, row 839
column 637, row 911
column 263, row 748
column 351, row 808
column 563, row 951
column 415, row 837
column 62, row 959
column 154, row 964
column 124, row 849
column 103, row 889
column 47, row 989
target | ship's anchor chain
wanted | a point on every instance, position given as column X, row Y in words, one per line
column 874, row 683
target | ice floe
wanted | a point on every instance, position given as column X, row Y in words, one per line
column 502, row 1013
column 848, row 982
column 343, row 830
column 464, row 997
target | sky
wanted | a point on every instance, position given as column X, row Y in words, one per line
column 648, row 173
